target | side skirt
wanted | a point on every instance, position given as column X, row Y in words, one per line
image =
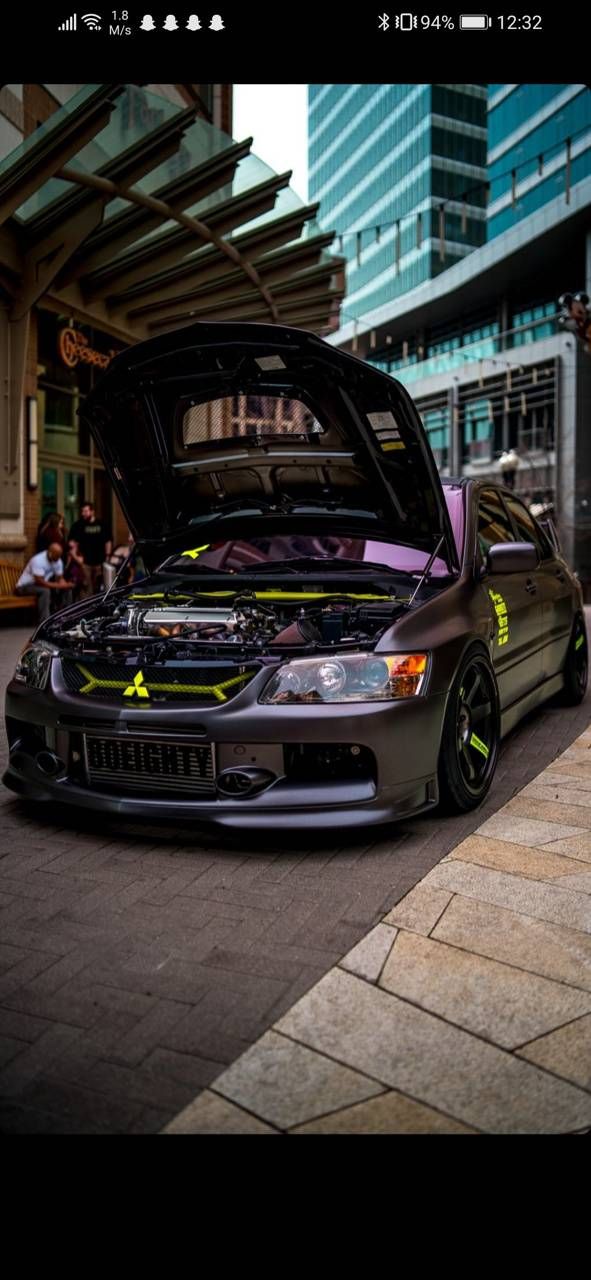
column 513, row 714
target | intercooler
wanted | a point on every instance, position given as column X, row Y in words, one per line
column 148, row 767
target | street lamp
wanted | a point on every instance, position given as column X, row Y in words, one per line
column 508, row 464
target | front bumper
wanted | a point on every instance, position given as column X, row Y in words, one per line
column 402, row 738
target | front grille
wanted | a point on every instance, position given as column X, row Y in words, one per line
column 132, row 685
column 135, row 767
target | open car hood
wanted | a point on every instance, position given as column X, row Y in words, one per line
column 217, row 431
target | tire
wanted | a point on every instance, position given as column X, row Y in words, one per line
column 470, row 737
column 576, row 665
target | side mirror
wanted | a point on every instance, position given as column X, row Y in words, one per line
column 512, row 557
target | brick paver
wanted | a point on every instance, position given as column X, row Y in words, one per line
column 137, row 964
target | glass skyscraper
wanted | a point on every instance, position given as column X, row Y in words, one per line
column 400, row 171
column 539, row 143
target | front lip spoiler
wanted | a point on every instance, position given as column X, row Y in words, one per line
column 251, row 814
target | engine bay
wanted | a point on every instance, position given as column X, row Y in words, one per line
column 164, row 625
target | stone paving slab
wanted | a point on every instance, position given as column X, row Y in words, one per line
column 428, row 1059
column 292, row 1082
column 494, row 1000
column 420, row 909
column 552, row 951
column 367, row 959
column 389, row 1113
column 466, row 1010
column 566, row 1052
column 517, row 859
column 212, row 1114
column 532, row 897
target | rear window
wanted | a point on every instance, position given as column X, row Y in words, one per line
column 252, row 417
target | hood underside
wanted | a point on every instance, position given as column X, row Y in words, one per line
column 220, row 427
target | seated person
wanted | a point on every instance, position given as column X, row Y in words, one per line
column 43, row 577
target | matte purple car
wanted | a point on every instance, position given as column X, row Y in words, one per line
column 326, row 635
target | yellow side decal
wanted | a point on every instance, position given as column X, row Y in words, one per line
column 500, row 609
column 196, row 551
column 392, row 444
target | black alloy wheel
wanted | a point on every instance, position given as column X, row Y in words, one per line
column 470, row 738
column 576, row 667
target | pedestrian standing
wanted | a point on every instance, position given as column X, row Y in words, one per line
column 90, row 538
column 51, row 529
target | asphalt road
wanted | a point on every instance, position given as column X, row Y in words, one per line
column 136, row 964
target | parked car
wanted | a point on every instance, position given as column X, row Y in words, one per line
column 327, row 634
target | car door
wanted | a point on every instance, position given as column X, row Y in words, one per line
column 515, row 607
column 555, row 589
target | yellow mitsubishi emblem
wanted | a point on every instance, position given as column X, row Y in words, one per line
column 137, row 687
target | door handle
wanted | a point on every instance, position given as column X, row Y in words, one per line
column 531, row 587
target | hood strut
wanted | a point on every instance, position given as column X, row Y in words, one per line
column 427, row 569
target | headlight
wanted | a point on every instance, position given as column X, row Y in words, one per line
column 33, row 666
column 352, row 677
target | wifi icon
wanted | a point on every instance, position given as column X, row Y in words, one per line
column 92, row 21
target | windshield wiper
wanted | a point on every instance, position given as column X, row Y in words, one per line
column 297, row 563
column 191, row 567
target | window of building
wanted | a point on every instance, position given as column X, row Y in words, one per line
column 478, row 431
column 69, row 359
column 535, row 429
column 540, row 319
column 436, row 423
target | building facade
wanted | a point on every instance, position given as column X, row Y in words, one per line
column 539, row 144
column 400, row 173
column 490, row 370
column 479, row 344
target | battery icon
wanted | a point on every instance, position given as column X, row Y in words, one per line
column 474, row 22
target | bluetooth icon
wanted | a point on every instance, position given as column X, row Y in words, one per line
column 384, row 22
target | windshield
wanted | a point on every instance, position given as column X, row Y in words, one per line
column 240, row 555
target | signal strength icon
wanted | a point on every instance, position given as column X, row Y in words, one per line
column 70, row 24
column 92, row 21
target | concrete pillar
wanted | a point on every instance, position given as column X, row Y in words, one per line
column 566, row 447
column 503, row 321
column 455, row 452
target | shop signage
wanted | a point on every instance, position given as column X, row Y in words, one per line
column 74, row 348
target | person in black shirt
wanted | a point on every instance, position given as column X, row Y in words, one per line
column 91, row 538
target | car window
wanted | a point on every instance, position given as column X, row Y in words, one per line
column 493, row 522
column 527, row 529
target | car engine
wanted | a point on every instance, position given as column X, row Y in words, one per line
column 245, row 623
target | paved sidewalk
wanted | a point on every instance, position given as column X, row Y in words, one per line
column 466, row 1010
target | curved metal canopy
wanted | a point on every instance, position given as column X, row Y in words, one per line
column 136, row 217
